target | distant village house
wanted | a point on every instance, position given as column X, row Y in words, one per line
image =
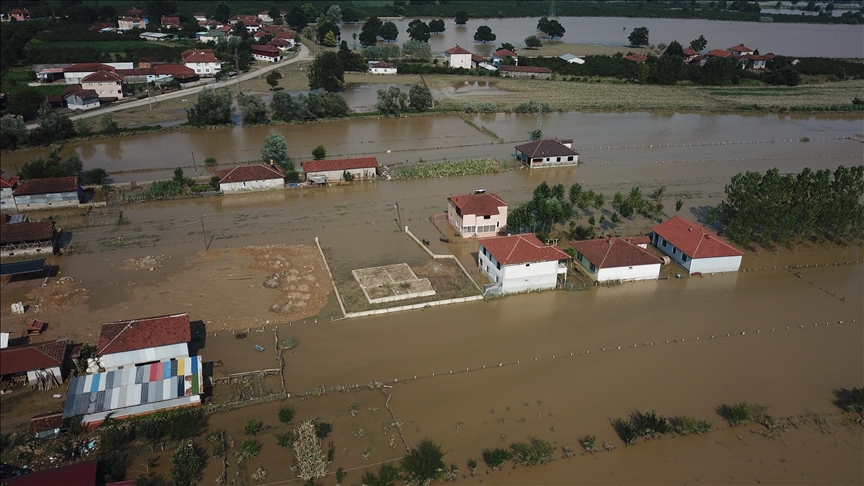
column 261, row 177
column 326, row 171
column 547, row 153
column 525, row 72
column 47, row 193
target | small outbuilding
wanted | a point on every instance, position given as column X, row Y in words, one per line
column 571, row 59
column 622, row 259
column 248, row 178
column 266, row 53
column 84, row 99
column 40, row 364
column 529, row 72
column 324, row 171
column 694, row 247
column 382, row 67
column 47, row 193
column 27, row 238
column 637, row 58
column 150, row 339
column 502, row 54
column 521, row 263
column 547, row 153
column 478, row 215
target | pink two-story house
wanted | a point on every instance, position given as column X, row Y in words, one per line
column 477, row 215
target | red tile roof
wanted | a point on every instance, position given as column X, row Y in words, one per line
column 30, row 231
column 78, row 474
column 102, row 76
column 176, row 70
column 753, row 57
column 639, row 240
column 719, row 53
column 519, row 249
column 46, row 186
column 526, row 69
column 265, row 50
column 690, row 52
column 694, row 240
column 382, row 65
column 486, row 204
column 7, row 181
column 287, row 35
column 545, row 148
column 457, row 50
column 87, row 67
column 46, row 421
column 139, row 71
column 278, row 42
column 248, row 173
column 339, row 164
column 199, row 55
column 740, row 48
column 149, row 332
column 32, row 357
column 477, row 58
column 171, row 21
column 504, row 53
column 636, row 57
column 614, row 252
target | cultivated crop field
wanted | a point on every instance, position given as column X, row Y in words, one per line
column 601, row 96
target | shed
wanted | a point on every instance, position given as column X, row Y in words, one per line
column 571, row 59
column 531, row 72
column 334, row 170
column 694, row 247
column 265, row 53
column 248, row 178
column 546, row 153
column 521, row 263
column 30, row 238
column 149, row 339
column 622, row 259
column 382, row 67
column 40, row 362
column 85, row 99
column 477, row 215
column 47, row 193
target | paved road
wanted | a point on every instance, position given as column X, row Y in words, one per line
column 302, row 55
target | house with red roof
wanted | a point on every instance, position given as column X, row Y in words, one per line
column 621, row 259
column 637, row 58
column 719, row 53
column 545, row 153
column 248, row 178
column 47, row 193
column 502, row 54
column 167, row 72
column 171, row 22
column 521, row 263
column 131, row 22
column 382, row 67
column 34, row 363
column 19, row 14
column 694, row 247
column 266, row 53
column 76, row 72
column 136, row 341
column 324, row 171
column 107, row 84
column 478, row 215
column 740, row 50
column 457, row 57
column 525, row 72
column 202, row 61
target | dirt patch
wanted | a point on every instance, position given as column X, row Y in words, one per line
column 148, row 263
column 57, row 295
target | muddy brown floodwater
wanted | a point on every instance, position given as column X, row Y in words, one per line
column 544, row 365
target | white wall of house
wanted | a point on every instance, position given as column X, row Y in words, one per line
column 383, row 70
column 702, row 265
column 336, row 175
column 75, row 78
column 204, row 68
column 627, row 274
column 250, row 186
column 105, row 89
column 540, row 162
column 460, row 61
column 41, row 201
column 261, row 57
column 519, row 278
column 473, row 226
column 72, row 103
column 7, row 201
column 32, row 376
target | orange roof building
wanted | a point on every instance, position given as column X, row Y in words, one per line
column 477, row 215
column 694, row 247
column 622, row 259
column 521, row 263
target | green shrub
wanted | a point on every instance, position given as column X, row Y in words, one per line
column 496, row 457
column 251, row 427
column 210, row 161
column 738, row 413
column 286, row 440
column 685, row 425
column 286, row 414
column 854, row 400
column 538, row 451
column 248, row 449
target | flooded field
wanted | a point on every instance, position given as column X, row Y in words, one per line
column 779, row 38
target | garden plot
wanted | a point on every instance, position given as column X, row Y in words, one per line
column 390, row 283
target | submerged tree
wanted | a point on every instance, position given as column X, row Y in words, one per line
column 213, row 108
column 274, row 148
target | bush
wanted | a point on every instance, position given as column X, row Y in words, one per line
column 496, row 457
column 251, row 427
column 96, row 176
column 210, row 162
column 322, row 429
column 532, row 106
column 853, row 400
column 185, row 463
column 424, row 464
column 738, row 413
column 286, row 414
column 685, row 425
column 538, row 451
column 642, row 425
column 248, row 449
column 286, row 440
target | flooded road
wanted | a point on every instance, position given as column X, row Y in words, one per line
column 786, row 39
column 410, row 140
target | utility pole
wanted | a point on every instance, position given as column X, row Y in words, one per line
column 204, row 232
column 195, row 166
column 399, row 216
column 148, row 98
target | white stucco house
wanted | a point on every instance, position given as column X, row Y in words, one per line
column 382, row 67
column 458, row 57
column 478, row 215
column 202, row 61
column 622, row 259
column 324, row 171
column 248, row 178
column 521, row 263
column 547, row 153
column 695, row 248
column 47, row 193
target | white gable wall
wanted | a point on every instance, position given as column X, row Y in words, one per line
column 249, row 186
column 460, row 61
column 703, row 265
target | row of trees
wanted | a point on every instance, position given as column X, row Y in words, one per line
column 777, row 208
column 393, row 101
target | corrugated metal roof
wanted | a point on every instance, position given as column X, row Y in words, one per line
column 134, row 386
column 160, row 353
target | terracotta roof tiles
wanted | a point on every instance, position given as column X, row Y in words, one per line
column 102, row 76
column 50, row 185
column 246, row 173
column 78, row 474
column 31, row 357
column 149, row 332
column 30, row 231
column 457, row 50
column 520, row 249
column 486, row 204
column 694, row 240
column 614, row 252
column 504, row 53
column 525, row 69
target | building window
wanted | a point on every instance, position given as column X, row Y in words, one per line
column 592, row 268
column 558, row 159
column 570, row 159
column 487, row 217
column 683, row 257
column 674, row 250
column 663, row 244
column 579, row 256
column 498, row 265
